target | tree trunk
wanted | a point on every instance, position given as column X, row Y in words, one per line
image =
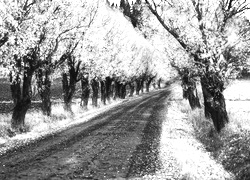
column 148, row 82
column 190, row 91
column 103, row 92
column 69, row 87
column 15, row 88
column 214, row 102
column 69, row 81
column 159, row 83
column 22, row 99
column 142, row 85
column 123, row 91
column 85, row 92
column 132, row 89
column 95, row 89
column 138, row 86
column 117, row 89
column 154, row 85
column 108, row 84
column 44, row 89
column 112, row 90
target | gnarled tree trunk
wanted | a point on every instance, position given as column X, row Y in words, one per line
column 132, row 89
column 123, row 92
column 44, row 89
column 138, row 86
column 69, row 88
column 22, row 101
column 95, row 89
column 69, row 81
column 159, row 83
column 190, row 90
column 117, row 89
column 142, row 85
column 21, row 93
column 148, row 82
column 108, row 84
column 85, row 92
column 214, row 102
column 103, row 92
column 154, row 85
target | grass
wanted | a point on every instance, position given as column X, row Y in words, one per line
column 231, row 146
column 180, row 146
column 37, row 125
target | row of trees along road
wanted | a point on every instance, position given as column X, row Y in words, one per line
column 80, row 41
column 214, row 36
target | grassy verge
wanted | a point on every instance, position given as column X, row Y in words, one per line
column 182, row 136
column 231, row 146
column 37, row 125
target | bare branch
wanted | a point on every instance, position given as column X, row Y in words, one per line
column 172, row 32
column 4, row 39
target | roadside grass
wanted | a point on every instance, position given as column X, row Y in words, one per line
column 38, row 125
column 231, row 146
column 180, row 132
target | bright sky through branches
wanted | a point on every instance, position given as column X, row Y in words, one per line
column 247, row 14
column 118, row 1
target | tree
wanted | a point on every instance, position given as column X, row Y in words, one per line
column 35, row 43
column 69, row 80
column 210, row 25
column 115, row 54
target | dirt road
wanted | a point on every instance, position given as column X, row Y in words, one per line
column 120, row 143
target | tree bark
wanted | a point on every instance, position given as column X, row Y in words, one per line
column 22, row 101
column 190, row 91
column 132, row 89
column 69, row 81
column 112, row 90
column 85, row 92
column 95, row 89
column 142, row 85
column 214, row 102
column 103, row 92
column 123, row 92
column 69, row 87
column 15, row 88
column 108, row 84
column 21, row 92
column 154, row 85
column 148, row 82
column 138, row 86
column 159, row 83
column 117, row 89
column 44, row 89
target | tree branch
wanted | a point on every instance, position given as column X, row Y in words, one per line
column 4, row 39
column 172, row 32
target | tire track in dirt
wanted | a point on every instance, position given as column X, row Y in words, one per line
column 145, row 159
column 95, row 146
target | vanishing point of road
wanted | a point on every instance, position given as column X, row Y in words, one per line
column 121, row 143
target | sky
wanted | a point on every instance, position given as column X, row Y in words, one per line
column 118, row 1
column 247, row 14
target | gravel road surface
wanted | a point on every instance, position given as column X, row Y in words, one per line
column 121, row 143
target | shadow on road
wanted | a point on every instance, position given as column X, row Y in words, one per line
column 145, row 159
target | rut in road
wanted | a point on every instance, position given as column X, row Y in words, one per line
column 121, row 142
